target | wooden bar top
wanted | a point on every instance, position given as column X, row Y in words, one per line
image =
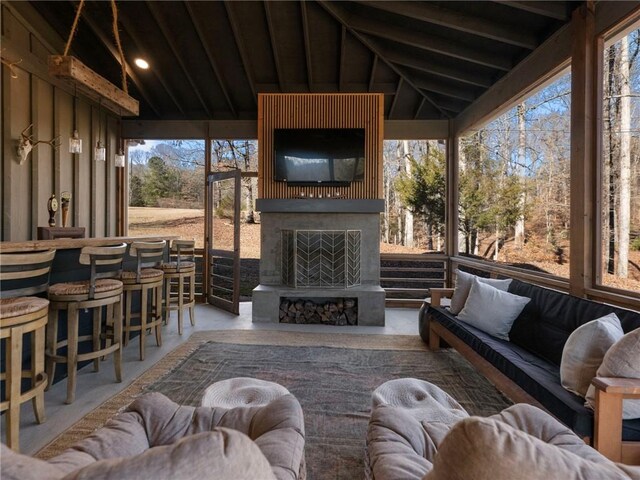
column 71, row 243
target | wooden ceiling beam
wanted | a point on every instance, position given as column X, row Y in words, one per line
column 440, row 69
column 274, row 45
column 339, row 14
column 555, row 10
column 372, row 75
column 462, row 22
column 307, row 42
column 435, row 86
column 394, row 102
column 237, row 36
column 212, row 61
column 126, row 23
column 427, row 42
column 168, row 36
column 419, row 109
column 109, row 45
column 450, row 104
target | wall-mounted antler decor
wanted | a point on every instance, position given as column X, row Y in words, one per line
column 27, row 143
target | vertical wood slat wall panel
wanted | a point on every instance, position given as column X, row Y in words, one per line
column 25, row 188
column 321, row 111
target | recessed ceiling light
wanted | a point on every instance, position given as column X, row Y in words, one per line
column 141, row 63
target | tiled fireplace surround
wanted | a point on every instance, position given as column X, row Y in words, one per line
column 349, row 266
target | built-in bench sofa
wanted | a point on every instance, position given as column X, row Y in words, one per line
column 527, row 367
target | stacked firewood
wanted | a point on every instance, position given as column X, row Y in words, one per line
column 342, row 311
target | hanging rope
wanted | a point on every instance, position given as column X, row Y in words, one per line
column 116, row 34
column 74, row 28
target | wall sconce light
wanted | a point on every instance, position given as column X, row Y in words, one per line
column 100, row 152
column 75, row 143
column 119, row 159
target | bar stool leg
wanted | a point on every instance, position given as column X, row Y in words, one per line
column 72, row 351
column 127, row 315
column 37, row 366
column 97, row 326
column 52, row 345
column 158, row 313
column 14, row 379
column 192, row 296
column 143, row 320
column 167, row 300
column 180, row 302
column 117, row 337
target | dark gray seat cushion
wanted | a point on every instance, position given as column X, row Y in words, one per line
column 535, row 375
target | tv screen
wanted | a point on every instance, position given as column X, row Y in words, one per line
column 311, row 156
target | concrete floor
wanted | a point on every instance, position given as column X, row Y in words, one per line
column 93, row 388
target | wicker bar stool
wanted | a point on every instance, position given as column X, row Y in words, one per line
column 21, row 275
column 103, row 289
column 181, row 267
column 145, row 280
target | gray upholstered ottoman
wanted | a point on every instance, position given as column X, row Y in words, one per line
column 409, row 420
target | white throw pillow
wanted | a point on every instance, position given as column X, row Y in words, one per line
column 463, row 286
column 584, row 351
column 621, row 360
column 491, row 310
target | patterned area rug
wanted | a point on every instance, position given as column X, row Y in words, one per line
column 332, row 377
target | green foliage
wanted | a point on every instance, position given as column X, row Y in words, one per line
column 489, row 194
column 136, row 198
column 224, row 206
column 424, row 190
column 161, row 181
column 635, row 244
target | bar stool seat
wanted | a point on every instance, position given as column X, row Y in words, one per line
column 146, row 275
column 183, row 272
column 22, row 275
column 148, row 281
column 102, row 290
column 16, row 307
column 172, row 267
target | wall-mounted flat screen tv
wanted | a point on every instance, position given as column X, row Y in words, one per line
column 325, row 156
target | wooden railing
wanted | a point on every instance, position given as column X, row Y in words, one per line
column 407, row 278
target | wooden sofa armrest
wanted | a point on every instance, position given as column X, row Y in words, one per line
column 607, row 438
column 437, row 294
column 627, row 387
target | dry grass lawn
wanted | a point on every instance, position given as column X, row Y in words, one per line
column 189, row 223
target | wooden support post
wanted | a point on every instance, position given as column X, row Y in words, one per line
column 451, row 212
column 584, row 130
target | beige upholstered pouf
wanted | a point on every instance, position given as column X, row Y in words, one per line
column 409, row 419
column 414, row 394
column 242, row 392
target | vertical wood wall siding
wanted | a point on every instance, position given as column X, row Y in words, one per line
column 53, row 109
column 321, row 111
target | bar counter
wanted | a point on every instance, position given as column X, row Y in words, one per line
column 72, row 243
column 66, row 267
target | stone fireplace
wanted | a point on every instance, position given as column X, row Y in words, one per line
column 322, row 250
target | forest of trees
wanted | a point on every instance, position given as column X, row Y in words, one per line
column 514, row 179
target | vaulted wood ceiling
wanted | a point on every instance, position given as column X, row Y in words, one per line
column 210, row 59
